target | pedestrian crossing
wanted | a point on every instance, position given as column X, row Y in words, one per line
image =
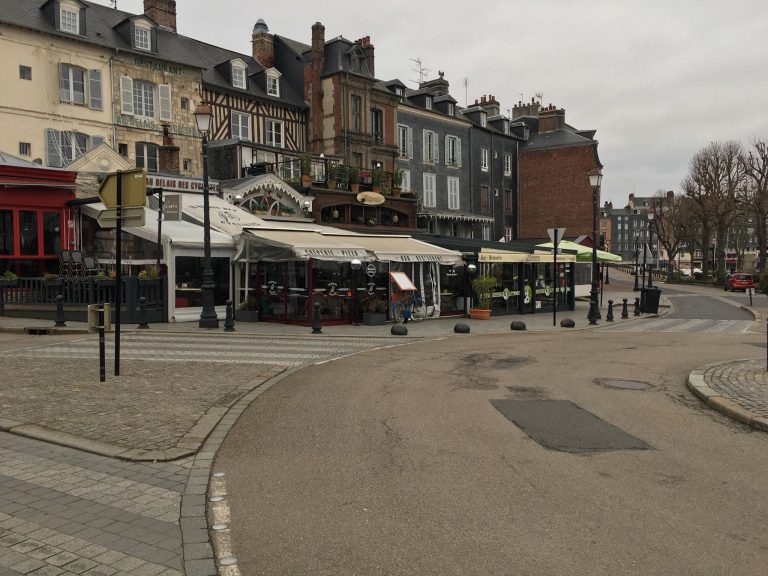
column 286, row 351
column 697, row 325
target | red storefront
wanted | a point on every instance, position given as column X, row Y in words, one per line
column 35, row 223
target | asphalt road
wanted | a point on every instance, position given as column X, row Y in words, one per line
column 395, row 461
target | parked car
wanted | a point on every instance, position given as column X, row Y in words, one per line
column 739, row 281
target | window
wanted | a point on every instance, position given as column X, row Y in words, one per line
column 69, row 21
column 508, row 201
column 428, row 102
column 405, row 141
column 25, row 72
column 506, row 126
column 71, row 84
column 507, row 164
column 355, row 64
column 406, row 185
column 485, row 198
column 7, row 247
column 429, row 190
column 453, row 193
column 143, row 99
column 142, row 38
column 238, row 76
column 357, row 108
column 241, row 125
column 507, row 234
column 185, row 103
column 483, row 120
column 122, row 149
column 451, row 109
column 399, row 91
column 273, row 83
column 486, row 231
column 63, row 147
column 430, row 147
column 484, row 159
column 187, row 164
column 376, row 125
column 274, row 131
column 25, row 149
column 452, row 151
column 28, row 233
column 147, row 156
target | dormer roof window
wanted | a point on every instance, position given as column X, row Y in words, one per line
column 273, row 82
column 451, row 109
column 69, row 19
column 483, row 119
column 142, row 38
column 238, row 74
column 428, row 102
column 399, row 91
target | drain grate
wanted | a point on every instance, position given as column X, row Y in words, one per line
column 38, row 331
column 564, row 426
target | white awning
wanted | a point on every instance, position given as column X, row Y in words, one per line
column 224, row 217
column 492, row 256
column 404, row 249
column 281, row 244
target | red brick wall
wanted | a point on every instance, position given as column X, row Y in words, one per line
column 554, row 191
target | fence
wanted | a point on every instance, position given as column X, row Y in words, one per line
column 36, row 297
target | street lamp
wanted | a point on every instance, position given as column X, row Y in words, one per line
column 650, row 244
column 595, row 178
column 637, row 259
column 208, row 317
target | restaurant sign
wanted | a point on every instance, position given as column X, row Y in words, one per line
column 179, row 184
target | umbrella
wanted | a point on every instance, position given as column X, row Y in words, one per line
column 583, row 253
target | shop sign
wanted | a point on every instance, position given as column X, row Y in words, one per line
column 178, row 184
column 172, row 208
column 370, row 270
column 334, row 252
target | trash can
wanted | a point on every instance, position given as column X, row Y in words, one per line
column 649, row 300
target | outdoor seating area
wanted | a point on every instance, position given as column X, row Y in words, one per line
column 72, row 263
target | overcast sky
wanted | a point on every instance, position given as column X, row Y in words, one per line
column 657, row 79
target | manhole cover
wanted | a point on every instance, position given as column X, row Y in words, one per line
column 627, row 384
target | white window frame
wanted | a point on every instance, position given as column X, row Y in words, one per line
column 430, row 147
column 483, row 119
column 144, row 95
column 451, row 109
column 270, row 133
column 126, row 95
column 453, row 193
column 62, row 147
column 406, row 184
column 166, row 104
column 69, row 20
column 146, row 162
column 507, row 164
column 273, row 83
column 241, row 125
column 142, row 38
column 484, row 159
column 453, row 150
column 507, row 233
column 71, row 89
column 238, row 76
column 486, row 231
column 429, row 198
column 405, row 141
column 428, row 102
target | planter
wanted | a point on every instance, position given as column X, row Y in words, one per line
column 480, row 313
column 396, row 191
column 8, row 283
column 247, row 316
column 355, row 188
column 374, row 318
column 331, row 184
column 306, row 181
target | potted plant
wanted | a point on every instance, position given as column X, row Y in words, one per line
column 305, row 165
column 483, row 287
column 374, row 311
column 397, row 181
column 377, row 179
column 51, row 279
column 248, row 310
column 354, row 178
column 333, row 170
column 8, row 279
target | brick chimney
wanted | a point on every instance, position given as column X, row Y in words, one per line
column 313, row 88
column 169, row 154
column 531, row 109
column 163, row 12
column 551, row 119
column 263, row 45
column 489, row 105
column 365, row 44
column 318, row 46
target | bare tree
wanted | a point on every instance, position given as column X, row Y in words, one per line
column 753, row 194
column 714, row 176
column 669, row 217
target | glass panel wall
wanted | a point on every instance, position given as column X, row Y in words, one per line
column 331, row 287
column 6, row 233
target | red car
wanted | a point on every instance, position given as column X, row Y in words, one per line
column 739, row 282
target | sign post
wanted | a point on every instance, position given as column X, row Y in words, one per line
column 555, row 234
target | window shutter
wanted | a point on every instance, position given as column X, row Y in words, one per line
column 425, row 146
column 409, row 136
column 52, row 148
column 458, row 151
column 64, row 83
column 153, row 39
column 126, row 95
column 81, row 21
column 165, row 102
column 435, row 148
column 94, row 89
column 447, row 149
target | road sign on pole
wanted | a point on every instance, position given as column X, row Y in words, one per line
column 555, row 235
column 134, row 188
column 132, row 217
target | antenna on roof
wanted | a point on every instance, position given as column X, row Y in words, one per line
column 466, row 89
column 421, row 71
column 540, row 96
column 114, row 4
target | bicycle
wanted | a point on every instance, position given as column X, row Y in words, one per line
column 410, row 307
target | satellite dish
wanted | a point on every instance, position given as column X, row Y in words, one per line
column 370, row 198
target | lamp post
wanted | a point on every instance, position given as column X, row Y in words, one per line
column 208, row 317
column 595, row 178
column 650, row 244
column 637, row 261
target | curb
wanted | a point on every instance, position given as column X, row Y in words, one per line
column 699, row 387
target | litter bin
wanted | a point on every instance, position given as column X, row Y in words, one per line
column 649, row 300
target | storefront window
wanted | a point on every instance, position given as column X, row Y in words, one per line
column 331, row 286
column 296, row 288
column 28, row 225
column 451, row 289
column 506, row 298
column 6, row 233
column 51, row 233
column 189, row 280
column 273, row 296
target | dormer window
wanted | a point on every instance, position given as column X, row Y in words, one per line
column 273, row 82
column 142, row 38
column 355, row 64
column 506, row 126
column 428, row 102
column 69, row 20
column 451, row 109
column 399, row 91
column 238, row 75
column 483, row 119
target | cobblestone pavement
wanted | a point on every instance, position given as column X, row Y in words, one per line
column 743, row 381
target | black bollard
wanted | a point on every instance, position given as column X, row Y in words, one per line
column 60, row 321
column 229, row 319
column 624, row 311
column 317, row 327
column 143, row 322
column 609, row 316
column 637, row 306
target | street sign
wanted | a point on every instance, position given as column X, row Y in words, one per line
column 556, row 238
column 132, row 217
column 133, row 192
